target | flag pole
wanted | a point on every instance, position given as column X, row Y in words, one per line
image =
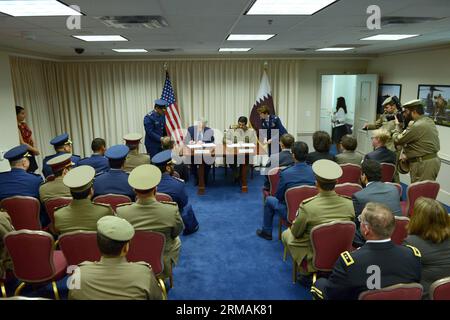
column 165, row 66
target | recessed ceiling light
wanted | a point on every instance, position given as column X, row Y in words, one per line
column 233, row 49
column 288, row 7
column 129, row 50
column 250, row 37
column 390, row 37
column 335, row 49
column 101, row 38
column 37, row 8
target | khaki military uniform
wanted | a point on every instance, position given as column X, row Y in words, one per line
column 241, row 135
column 421, row 144
column 326, row 207
column 80, row 215
column 349, row 157
column 382, row 122
column 116, row 279
column 152, row 215
column 5, row 227
column 53, row 189
column 135, row 159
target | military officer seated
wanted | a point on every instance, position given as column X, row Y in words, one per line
column 155, row 127
column 149, row 214
column 378, row 264
column 81, row 213
column 182, row 169
column 18, row 182
column 114, row 181
column 55, row 188
column 62, row 144
column 134, row 158
column 97, row 160
column 113, row 277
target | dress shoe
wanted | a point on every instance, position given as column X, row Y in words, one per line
column 263, row 235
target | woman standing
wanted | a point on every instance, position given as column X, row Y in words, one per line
column 25, row 138
column 339, row 122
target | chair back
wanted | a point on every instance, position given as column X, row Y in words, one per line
column 79, row 246
column 294, row 197
column 398, row 186
column 274, row 179
column 329, row 240
column 350, row 173
column 52, row 204
column 387, row 171
column 163, row 197
column 427, row 188
column 440, row 289
column 31, row 253
column 400, row 232
column 148, row 246
column 347, row 189
column 112, row 199
column 24, row 212
column 410, row 291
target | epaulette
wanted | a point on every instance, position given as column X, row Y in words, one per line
column 316, row 293
column 124, row 204
column 179, row 179
column 61, row 206
column 102, row 204
column 309, row 199
column 348, row 260
column 415, row 251
column 143, row 263
column 169, row 202
column 344, row 196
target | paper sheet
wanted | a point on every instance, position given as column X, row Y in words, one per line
column 201, row 152
column 245, row 151
column 194, row 146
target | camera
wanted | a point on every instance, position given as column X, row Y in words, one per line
column 399, row 115
column 79, row 50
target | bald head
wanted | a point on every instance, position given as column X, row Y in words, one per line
column 377, row 221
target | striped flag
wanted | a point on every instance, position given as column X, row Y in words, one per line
column 173, row 119
column 263, row 98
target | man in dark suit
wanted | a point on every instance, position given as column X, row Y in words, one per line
column 97, row 160
column 374, row 191
column 282, row 159
column 378, row 264
column 381, row 153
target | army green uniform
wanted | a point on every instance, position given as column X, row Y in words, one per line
column 135, row 159
column 349, row 157
column 152, row 215
column 53, row 189
column 80, row 215
column 326, row 207
column 116, row 279
column 421, row 144
column 5, row 227
column 239, row 135
column 388, row 125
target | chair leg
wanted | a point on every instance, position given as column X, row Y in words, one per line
column 2, row 285
column 171, row 275
column 55, row 290
column 294, row 271
column 279, row 228
column 19, row 288
column 163, row 288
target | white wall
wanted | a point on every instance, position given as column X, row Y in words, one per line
column 9, row 136
column 410, row 70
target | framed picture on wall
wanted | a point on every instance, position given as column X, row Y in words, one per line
column 436, row 99
column 387, row 90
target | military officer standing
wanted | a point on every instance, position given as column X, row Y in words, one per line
column 271, row 125
column 155, row 127
column 5, row 227
column 55, row 188
column 97, row 160
column 114, row 181
column 62, row 144
column 113, row 277
column 134, row 158
column 18, row 182
column 81, row 213
column 420, row 142
column 325, row 207
column 149, row 214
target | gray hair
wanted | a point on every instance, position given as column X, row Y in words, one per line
column 379, row 218
column 201, row 120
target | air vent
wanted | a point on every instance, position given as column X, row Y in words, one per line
column 387, row 21
column 129, row 22
column 299, row 49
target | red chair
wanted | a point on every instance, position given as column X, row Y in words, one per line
column 398, row 186
column 274, row 179
column 347, row 189
column 51, row 205
column 162, row 197
column 410, row 291
column 112, row 199
column 351, row 173
column 427, row 189
column 24, row 212
column 400, row 232
column 387, row 171
column 440, row 289
column 79, row 246
column 34, row 260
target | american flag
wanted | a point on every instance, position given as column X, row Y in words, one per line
column 173, row 119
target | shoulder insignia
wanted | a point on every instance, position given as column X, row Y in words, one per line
column 143, row 263
column 169, row 202
column 309, row 199
column 316, row 293
column 347, row 258
column 124, row 204
column 415, row 251
column 61, row 206
column 102, row 204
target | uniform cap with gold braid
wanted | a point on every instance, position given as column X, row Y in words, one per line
column 17, row 153
column 60, row 140
column 144, row 177
column 412, row 104
column 115, row 228
column 60, row 162
column 80, row 178
column 388, row 100
column 132, row 137
column 327, row 170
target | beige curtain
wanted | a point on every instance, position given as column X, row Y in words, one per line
column 109, row 99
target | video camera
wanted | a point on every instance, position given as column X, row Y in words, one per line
column 399, row 113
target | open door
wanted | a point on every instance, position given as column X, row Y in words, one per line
column 326, row 103
column 365, row 109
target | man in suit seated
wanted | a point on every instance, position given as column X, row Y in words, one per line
column 282, row 159
column 381, row 153
column 199, row 134
column 395, row 264
column 298, row 174
column 97, row 160
column 348, row 154
column 374, row 191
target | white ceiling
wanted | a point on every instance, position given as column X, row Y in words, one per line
column 200, row 27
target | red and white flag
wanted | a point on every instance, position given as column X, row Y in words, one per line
column 263, row 98
column 173, row 118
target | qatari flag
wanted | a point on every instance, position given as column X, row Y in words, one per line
column 264, row 98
